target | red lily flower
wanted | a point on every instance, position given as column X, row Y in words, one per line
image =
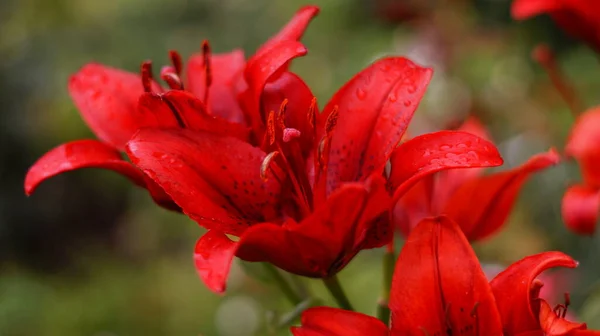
column 116, row 103
column 581, row 202
column 580, row 18
column 480, row 204
column 439, row 288
column 316, row 187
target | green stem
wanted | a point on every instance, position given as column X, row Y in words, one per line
column 285, row 287
column 383, row 311
column 334, row 287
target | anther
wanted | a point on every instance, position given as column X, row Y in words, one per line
column 271, row 127
column 146, row 72
column 207, row 67
column 265, row 165
column 176, row 61
column 331, row 120
column 281, row 114
column 312, row 115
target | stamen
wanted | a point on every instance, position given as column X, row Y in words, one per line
column 207, row 67
column 312, row 115
column 265, row 165
column 176, row 62
column 169, row 75
column 545, row 57
column 331, row 120
column 281, row 114
column 271, row 127
column 146, row 73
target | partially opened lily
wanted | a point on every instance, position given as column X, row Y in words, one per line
column 479, row 203
column 580, row 18
column 312, row 194
column 115, row 104
column 439, row 288
column 581, row 202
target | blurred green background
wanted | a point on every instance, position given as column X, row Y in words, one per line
column 90, row 255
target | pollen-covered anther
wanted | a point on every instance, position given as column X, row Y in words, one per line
column 331, row 120
column 281, row 114
column 169, row 74
column 271, row 127
column 312, row 113
column 146, row 74
column 266, row 164
column 290, row 134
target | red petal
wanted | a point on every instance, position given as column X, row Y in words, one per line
column 438, row 285
column 107, row 100
column 523, row 9
column 176, row 108
column 580, row 207
column 76, row 155
column 258, row 72
column 482, row 205
column 512, row 289
column 433, row 152
column 292, row 31
column 318, row 246
column 448, row 181
column 91, row 154
column 553, row 325
column 327, row 321
column 374, row 110
column 213, row 255
column 583, row 145
column 227, row 73
column 215, row 179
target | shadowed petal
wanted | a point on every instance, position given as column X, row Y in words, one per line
column 215, row 179
column 327, row 321
column 433, row 152
column 482, row 205
column 512, row 289
column 580, row 207
column 107, row 99
column 439, row 287
column 180, row 109
column 374, row 109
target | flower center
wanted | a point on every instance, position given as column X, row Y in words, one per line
column 293, row 166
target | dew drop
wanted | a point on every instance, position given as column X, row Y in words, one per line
column 361, row 94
